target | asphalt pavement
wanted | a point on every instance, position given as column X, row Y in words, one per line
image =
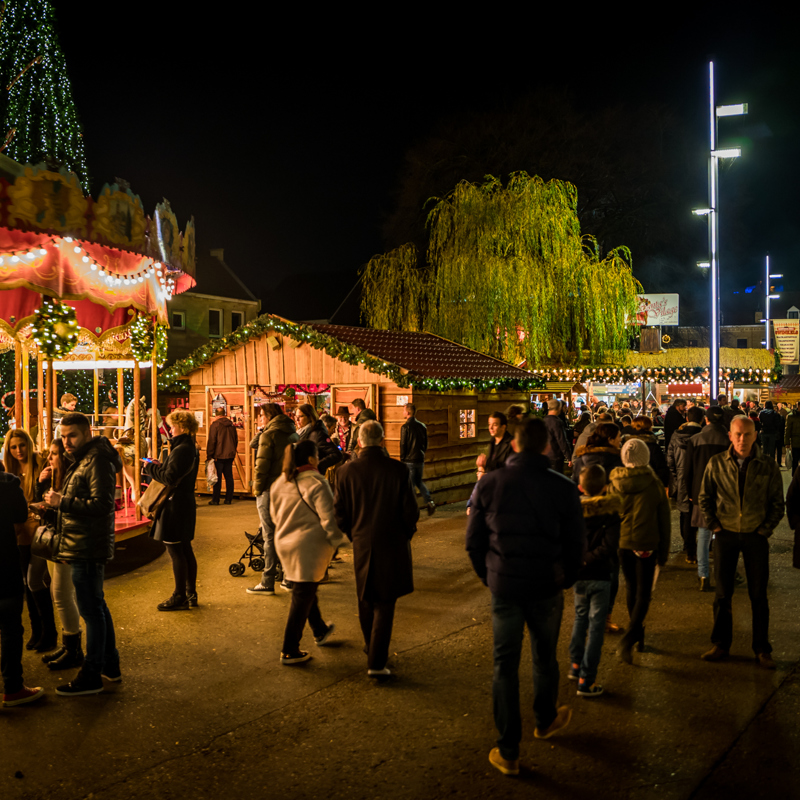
column 205, row 709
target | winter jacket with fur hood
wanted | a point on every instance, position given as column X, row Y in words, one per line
column 658, row 461
column 601, row 514
column 645, row 516
column 607, row 457
column 677, row 463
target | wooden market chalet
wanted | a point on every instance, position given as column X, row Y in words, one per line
column 454, row 389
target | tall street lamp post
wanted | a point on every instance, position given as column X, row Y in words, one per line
column 767, row 289
column 712, row 212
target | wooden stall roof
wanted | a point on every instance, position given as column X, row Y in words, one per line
column 424, row 355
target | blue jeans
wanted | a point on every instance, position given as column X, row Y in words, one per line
column 268, row 532
column 591, row 610
column 415, row 478
column 101, row 643
column 509, row 617
column 703, row 546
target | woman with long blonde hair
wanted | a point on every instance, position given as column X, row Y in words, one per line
column 20, row 459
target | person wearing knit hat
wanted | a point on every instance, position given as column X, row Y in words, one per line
column 635, row 453
column 644, row 536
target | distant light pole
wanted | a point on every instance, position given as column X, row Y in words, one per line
column 767, row 290
column 713, row 217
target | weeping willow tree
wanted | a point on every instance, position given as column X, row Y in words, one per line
column 509, row 274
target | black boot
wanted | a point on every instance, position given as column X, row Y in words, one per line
column 640, row 643
column 36, row 623
column 48, row 657
column 73, row 654
column 49, row 638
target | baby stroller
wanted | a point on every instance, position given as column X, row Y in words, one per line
column 254, row 555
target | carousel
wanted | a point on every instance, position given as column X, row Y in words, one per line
column 84, row 284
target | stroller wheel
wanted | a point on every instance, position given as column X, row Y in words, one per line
column 257, row 564
column 236, row 569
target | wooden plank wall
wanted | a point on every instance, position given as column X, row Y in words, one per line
column 450, row 466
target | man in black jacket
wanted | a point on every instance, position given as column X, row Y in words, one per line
column 12, row 590
column 413, row 444
column 526, row 538
column 676, row 416
column 221, row 447
column 85, row 524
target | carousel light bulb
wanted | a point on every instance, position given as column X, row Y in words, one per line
column 76, row 249
column 42, row 252
column 85, row 259
column 67, row 238
column 1, row 260
column 94, row 267
column 14, row 259
column 126, row 281
column 30, row 256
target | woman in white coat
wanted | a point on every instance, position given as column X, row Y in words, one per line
column 306, row 535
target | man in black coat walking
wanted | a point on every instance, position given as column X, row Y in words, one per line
column 676, row 416
column 221, row 447
column 413, row 444
column 526, row 538
column 377, row 510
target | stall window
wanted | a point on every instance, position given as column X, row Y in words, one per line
column 741, row 344
column 236, row 320
column 215, row 322
column 466, row 423
column 178, row 322
column 692, row 343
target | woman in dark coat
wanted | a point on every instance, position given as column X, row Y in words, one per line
column 310, row 426
column 175, row 525
column 601, row 448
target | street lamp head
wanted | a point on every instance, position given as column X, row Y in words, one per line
column 702, row 212
column 704, row 264
column 777, row 275
column 728, row 152
column 735, row 110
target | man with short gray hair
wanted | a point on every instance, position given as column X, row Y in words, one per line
column 377, row 510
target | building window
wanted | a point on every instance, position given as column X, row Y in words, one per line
column 793, row 315
column 741, row 344
column 178, row 322
column 692, row 342
column 466, row 423
column 236, row 320
column 215, row 322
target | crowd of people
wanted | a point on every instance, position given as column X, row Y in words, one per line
column 553, row 508
column 533, row 533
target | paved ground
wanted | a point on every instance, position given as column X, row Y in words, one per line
column 206, row 710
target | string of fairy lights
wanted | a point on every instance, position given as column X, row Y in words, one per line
column 154, row 269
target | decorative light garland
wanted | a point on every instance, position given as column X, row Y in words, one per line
column 110, row 278
column 141, row 330
column 351, row 354
column 55, row 329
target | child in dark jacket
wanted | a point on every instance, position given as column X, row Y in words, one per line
column 593, row 587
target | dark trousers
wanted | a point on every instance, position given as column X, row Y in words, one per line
column 184, row 568
column 755, row 552
column 304, row 608
column 614, row 583
column 376, row 624
column 795, row 458
column 224, row 470
column 101, row 645
column 689, row 535
column 509, row 618
column 639, row 573
column 11, row 632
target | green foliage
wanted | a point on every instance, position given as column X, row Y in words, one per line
column 55, row 329
column 171, row 378
column 142, row 340
column 509, row 274
column 39, row 105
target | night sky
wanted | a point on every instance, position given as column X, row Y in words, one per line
column 283, row 132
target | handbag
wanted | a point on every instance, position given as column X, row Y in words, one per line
column 155, row 496
column 45, row 542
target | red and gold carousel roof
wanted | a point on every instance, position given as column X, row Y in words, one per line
column 103, row 256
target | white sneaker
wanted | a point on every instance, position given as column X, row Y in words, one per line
column 259, row 588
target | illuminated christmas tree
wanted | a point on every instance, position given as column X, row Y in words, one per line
column 39, row 118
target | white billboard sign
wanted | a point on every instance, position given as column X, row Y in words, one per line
column 657, row 309
column 787, row 339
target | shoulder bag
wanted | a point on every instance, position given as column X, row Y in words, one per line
column 156, row 495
